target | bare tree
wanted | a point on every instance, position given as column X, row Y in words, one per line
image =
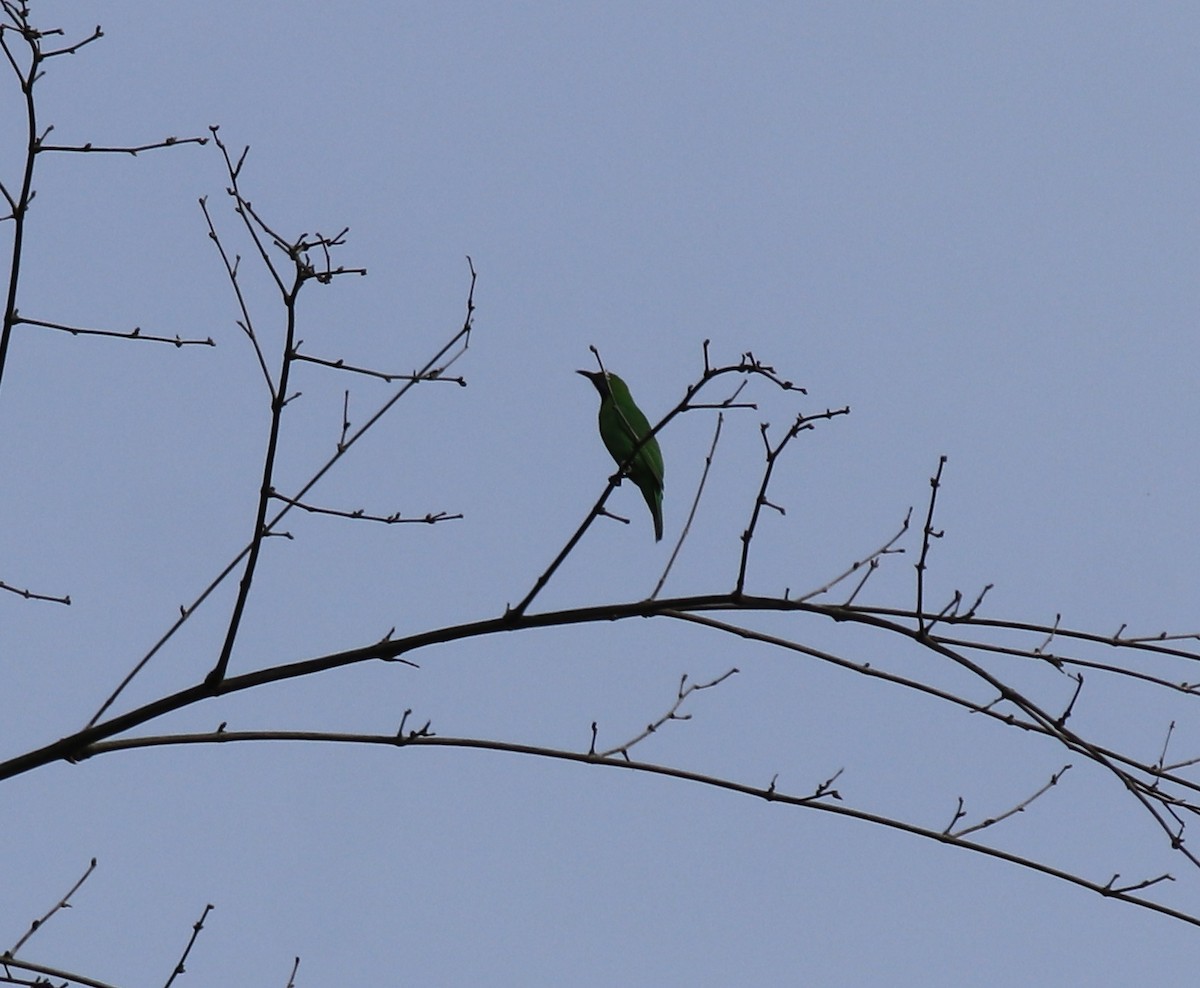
column 1028, row 678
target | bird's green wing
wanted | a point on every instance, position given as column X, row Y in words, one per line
column 622, row 425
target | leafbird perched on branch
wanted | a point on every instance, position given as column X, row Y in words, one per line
column 622, row 425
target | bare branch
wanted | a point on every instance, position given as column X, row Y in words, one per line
column 231, row 271
column 687, row 525
column 388, row 376
column 31, row 595
column 685, row 690
column 53, row 972
column 928, row 533
column 63, row 903
column 871, row 561
column 446, row 355
column 196, row 928
column 130, row 149
column 133, row 334
column 747, row 366
column 992, row 821
column 817, row 801
column 96, row 35
column 803, row 423
column 359, row 514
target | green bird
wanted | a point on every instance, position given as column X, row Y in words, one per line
column 622, row 426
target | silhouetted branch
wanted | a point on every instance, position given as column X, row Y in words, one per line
column 685, row 690
column 747, row 366
column 446, row 355
column 96, row 35
column 687, row 525
column 928, row 533
column 803, row 423
column 63, row 903
column 389, row 376
column 89, row 148
column 196, row 928
column 53, row 972
column 133, row 334
column 871, row 561
column 359, row 514
column 818, row 800
column 31, row 595
column 246, row 323
column 992, row 821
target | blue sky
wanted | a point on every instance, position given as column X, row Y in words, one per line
column 976, row 225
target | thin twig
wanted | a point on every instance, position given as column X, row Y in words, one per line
column 89, row 148
column 685, row 690
column 246, row 323
column 928, row 533
column 51, row 972
column 63, row 903
column 389, row 377
column 196, row 928
column 132, row 334
column 687, row 525
column 869, row 561
column 803, row 423
column 31, row 595
column 359, row 514
column 96, row 35
column 1019, row 808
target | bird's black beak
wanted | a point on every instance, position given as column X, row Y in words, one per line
column 596, row 377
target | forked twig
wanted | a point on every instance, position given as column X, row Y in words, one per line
column 685, row 690
column 871, row 561
column 993, row 820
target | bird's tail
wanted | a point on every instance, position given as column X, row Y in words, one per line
column 654, row 502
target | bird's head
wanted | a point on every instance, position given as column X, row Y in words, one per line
column 599, row 379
